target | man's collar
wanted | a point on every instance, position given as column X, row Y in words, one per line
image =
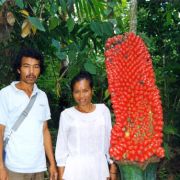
column 35, row 88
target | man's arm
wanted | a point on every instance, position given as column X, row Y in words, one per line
column 49, row 152
column 3, row 172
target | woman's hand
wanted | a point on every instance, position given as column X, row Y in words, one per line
column 61, row 172
column 113, row 172
column 113, row 176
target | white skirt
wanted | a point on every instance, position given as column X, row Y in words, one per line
column 86, row 167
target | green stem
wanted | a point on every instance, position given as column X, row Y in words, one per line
column 133, row 172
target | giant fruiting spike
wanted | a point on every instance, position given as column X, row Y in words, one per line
column 137, row 133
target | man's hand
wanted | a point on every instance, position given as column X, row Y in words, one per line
column 52, row 172
column 3, row 171
column 49, row 152
column 3, row 174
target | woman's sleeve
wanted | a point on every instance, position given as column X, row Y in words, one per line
column 61, row 151
column 108, row 125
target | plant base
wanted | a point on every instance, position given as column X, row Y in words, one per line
column 134, row 172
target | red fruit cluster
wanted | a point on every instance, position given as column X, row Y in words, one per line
column 137, row 133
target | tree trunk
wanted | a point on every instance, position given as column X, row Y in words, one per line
column 133, row 16
column 5, row 29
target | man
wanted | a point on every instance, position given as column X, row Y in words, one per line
column 26, row 149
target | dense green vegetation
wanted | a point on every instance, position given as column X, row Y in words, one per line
column 71, row 34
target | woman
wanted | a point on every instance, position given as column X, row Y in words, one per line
column 84, row 135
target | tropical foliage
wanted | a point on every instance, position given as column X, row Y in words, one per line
column 72, row 33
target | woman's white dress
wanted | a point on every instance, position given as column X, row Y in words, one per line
column 83, row 143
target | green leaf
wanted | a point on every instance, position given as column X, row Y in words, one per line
column 56, row 44
column 53, row 9
column 61, row 55
column 96, row 28
column 1, row 2
column 63, row 5
column 117, row 30
column 83, row 43
column 124, row 3
column 106, row 94
column 112, row 4
column 102, row 28
column 90, row 67
column 86, row 9
column 167, row 150
column 169, row 18
column 37, row 23
column 171, row 130
column 107, row 28
column 20, row 3
column 53, row 23
column 107, row 12
column 71, row 55
column 70, row 24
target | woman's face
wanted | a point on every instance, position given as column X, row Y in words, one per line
column 82, row 92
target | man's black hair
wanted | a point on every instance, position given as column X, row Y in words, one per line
column 80, row 76
column 28, row 52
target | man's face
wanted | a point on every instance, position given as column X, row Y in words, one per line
column 29, row 70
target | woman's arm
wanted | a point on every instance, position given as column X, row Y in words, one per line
column 61, row 152
column 113, row 171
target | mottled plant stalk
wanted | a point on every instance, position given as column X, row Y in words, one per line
column 133, row 16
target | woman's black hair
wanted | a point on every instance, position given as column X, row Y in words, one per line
column 80, row 76
column 28, row 52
